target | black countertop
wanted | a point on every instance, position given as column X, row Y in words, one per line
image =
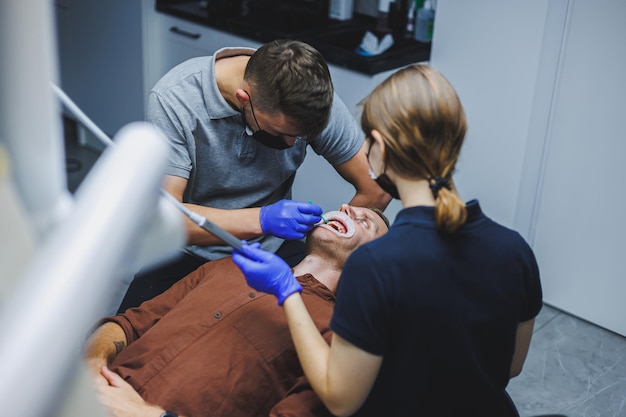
column 274, row 19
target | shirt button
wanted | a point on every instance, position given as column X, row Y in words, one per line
column 251, row 295
column 217, row 315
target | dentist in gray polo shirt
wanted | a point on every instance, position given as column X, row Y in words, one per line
column 239, row 123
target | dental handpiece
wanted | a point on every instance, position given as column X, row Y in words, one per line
column 323, row 219
column 202, row 221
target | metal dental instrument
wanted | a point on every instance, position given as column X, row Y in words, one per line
column 194, row 217
column 204, row 223
column 81, row 116
column 323, row 219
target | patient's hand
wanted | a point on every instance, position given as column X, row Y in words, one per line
column 121, row 400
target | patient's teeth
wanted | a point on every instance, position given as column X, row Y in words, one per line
column 339, row 223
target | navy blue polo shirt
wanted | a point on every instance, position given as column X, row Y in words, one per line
column 442, row 310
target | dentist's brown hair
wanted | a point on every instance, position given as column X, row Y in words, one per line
column 292, row 77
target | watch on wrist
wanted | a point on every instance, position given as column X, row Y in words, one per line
column 169, row 414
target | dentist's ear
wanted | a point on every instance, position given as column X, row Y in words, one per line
column 241, row 96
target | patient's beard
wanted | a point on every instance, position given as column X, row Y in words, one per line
column 332, row 251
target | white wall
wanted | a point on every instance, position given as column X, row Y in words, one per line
column 489, row 51
column 580, row 226
column 542, row 84
column 101, row 59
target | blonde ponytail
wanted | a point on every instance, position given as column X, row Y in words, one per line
column 422, row 122
column 450, row 212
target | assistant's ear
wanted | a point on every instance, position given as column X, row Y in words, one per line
column 378, row 139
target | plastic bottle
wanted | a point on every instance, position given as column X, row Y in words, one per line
column 425, row 22
column 341, row 9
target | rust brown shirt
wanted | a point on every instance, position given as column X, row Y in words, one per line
column 212, row 346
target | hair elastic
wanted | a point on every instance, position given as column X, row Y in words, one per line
column 437, row 183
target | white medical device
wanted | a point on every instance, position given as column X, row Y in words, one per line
column 62, row 256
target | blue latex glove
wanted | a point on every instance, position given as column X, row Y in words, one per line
column 289, row 219
column 266, row 272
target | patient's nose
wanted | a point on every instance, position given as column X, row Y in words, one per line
column 345, row 208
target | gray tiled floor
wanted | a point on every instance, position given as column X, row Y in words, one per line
column 573, row 368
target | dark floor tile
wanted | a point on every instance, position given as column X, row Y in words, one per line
column 573, row 368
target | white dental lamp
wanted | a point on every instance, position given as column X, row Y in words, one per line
column 73, row 250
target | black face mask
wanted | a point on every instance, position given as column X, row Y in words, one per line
column 389, row 187
column 264, row 138
column 383, row 180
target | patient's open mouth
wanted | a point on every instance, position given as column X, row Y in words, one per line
column 338, row 222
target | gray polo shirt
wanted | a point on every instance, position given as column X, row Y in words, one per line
column 226, row 168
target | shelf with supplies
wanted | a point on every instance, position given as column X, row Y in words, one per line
column 337, row 40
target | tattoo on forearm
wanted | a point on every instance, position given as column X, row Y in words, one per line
column 119, row 345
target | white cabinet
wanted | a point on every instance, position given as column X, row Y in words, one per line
column 542, row 84
column 175, row 40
